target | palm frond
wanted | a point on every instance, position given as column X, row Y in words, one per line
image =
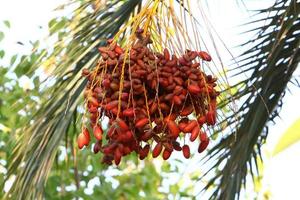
column 270, row 64
column 36, row 148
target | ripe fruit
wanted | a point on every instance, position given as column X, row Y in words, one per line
column 122, row 125
column 128, row 112
column 203, row 137
column 119, row 50
column 98, row 132
column 187, row 111
column 93, row 109
column 177, row 100
column 166, row 54
column 111, row 105
column 194, row 89
column 86, row 134
column 82, row 141
column 182, row 125
column 211, row 118
column 106, row 83
column 176, row 146
column 186, row 151
column 203, row 145
column 170, row 117
column 147, row 135
column 117, row 156
column 204, row 55
column 195, row 133
column 190, row 126
column 174, row 130
column 166, row 154
column 128, row 136
column 111, row 131
column 97, row 146
column 85, row 72
column 201, row 120
column 141, row 123
column 144, row 152
column 157, row 150
column 153, row 108
column 93, row 101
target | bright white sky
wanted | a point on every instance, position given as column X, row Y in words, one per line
column 281, row 172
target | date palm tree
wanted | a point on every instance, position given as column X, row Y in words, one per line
column 272, row 57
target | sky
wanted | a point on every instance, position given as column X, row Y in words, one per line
column 281, row 173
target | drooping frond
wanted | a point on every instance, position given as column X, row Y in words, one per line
column 268, row 67
column 90, row 26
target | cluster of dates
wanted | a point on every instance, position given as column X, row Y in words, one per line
column 147, row 97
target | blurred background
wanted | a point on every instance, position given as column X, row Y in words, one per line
column 25, row 27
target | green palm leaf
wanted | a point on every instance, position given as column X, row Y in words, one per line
column 37, row 146
column 270, row 62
